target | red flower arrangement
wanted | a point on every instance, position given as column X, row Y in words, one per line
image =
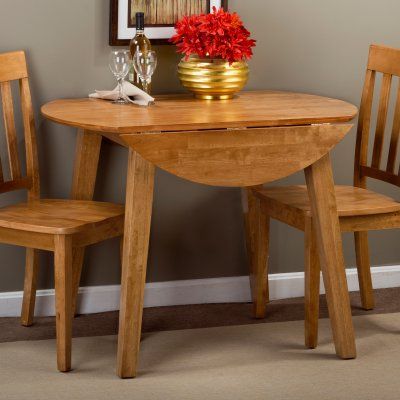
column 219, row 34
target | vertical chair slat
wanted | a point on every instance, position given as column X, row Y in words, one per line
column 11, row 135
column 381, row 123
column 364, row 123
column 1, row 173
column 394, row 139
column 32, row 163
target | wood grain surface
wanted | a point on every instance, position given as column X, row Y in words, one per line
column 350, row 200
column 183, row 112
column 238, row 157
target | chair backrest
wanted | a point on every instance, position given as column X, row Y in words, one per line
column 384, row 60
column 13, row 68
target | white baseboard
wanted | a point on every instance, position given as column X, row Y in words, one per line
column 96, row 299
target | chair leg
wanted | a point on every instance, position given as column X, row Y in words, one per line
column 258, row 227
column 311, row 286
column 364, row 270
column 77, row 264
column 31, row 272
column 248, row 208
column 63, row 293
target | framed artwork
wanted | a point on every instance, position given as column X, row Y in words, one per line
column 160, row 17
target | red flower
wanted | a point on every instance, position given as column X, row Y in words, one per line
column 219, row 34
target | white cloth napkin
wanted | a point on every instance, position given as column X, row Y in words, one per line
column 141, row 98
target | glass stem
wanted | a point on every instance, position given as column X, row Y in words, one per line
column 146, row 83
column 120, row 80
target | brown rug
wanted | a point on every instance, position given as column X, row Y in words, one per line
column 190, row 317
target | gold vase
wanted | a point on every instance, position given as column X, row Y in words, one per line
column 209, row 78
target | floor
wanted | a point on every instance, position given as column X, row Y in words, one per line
column 252, row 362
column 214, row 351
column 190, row 317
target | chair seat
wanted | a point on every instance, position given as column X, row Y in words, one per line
column 61, row 217
column 351, row 201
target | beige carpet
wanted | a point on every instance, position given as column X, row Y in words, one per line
column 265, row 361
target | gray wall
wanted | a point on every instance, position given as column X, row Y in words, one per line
column 303, row 45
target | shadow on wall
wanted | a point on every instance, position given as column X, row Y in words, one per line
column 196, row 224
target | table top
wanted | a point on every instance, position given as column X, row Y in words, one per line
column 183, row 112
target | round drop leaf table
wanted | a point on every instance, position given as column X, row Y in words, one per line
column 252, row 139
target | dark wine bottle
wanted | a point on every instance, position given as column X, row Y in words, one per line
column 139, row 43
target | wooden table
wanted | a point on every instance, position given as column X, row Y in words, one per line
column 255, row 138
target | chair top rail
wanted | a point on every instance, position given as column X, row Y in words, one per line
column 13, row 66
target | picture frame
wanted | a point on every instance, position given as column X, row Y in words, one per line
column 122, row 29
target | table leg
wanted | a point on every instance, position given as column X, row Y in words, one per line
column 138, row 208
column 326, row 223
column 257, row 246
column 87, row 153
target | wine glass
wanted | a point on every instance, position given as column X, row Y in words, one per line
column 120, row 61
column 145, row 63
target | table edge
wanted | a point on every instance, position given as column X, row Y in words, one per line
column 177, row 127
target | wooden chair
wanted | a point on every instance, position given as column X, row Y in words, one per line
column 54, row 225
column 360, row 210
